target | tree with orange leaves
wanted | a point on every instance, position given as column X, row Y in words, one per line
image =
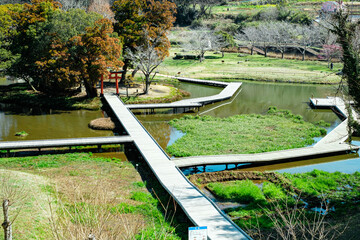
column 133, row 17
column 96, row 50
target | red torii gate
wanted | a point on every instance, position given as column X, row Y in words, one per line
column 112, row 75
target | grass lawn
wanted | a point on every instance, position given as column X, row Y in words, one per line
column 85, row 193
column 278, row 130
column 251, row 67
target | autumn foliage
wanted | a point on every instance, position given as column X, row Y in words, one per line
column 96, row 52
column 134, row 17
column 57, row 52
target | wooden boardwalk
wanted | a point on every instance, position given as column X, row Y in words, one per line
column 204, row 82
column 229, row 90
column 66, row 142
column 267, row 157
column 340, row 133
column 200, row 210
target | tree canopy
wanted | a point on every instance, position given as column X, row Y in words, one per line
column 133, row 17
column 56, row 49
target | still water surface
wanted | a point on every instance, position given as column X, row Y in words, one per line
column 47, row 124
column 252, row 98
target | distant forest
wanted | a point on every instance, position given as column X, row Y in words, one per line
column 85, row 4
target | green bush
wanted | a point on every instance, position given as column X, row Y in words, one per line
column 240, row 191
column 273, row 191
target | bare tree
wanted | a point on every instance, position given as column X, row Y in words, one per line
column 251, row 35
column 306, row 37
column 12, row 194
column 282, row 34
column 201, row 40
column 102, row 7
column 266, row 37
column 292, row 221
column 148, row 57
column 69, row 4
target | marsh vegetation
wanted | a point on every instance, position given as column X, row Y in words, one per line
column 252, row 133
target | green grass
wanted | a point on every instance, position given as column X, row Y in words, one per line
column 49, row 161
column 251, row 67
column 336, row 186
column 73, row 181
column 273, row 191
column 240, row 191
column 278, row 130
column 340, row 190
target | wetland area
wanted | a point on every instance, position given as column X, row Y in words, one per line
column 253, row 98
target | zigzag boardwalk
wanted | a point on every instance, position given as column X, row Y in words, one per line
column 267, row 157
column 340, row 134
column 229, row 90
column 200, row 210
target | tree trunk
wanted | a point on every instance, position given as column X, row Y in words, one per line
column 125, row 67
column 265, row 52
column 252, row 51
column 147, row 84
column 134, row 72
column 6, row 224
column 28, row 81
column 201, row 57
column 91, row 90
column 303, row 56
column 282, row 55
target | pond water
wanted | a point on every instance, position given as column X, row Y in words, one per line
column 252, row 98
column 40, row 124
column 9, row 80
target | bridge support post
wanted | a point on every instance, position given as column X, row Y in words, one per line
column 117, row 85
column 8, row 153
column 39, row 149
column 99, row 148
column 227, row 167
column 204, row 168
column 102, row 85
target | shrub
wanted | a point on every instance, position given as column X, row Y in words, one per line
column 240, row 191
